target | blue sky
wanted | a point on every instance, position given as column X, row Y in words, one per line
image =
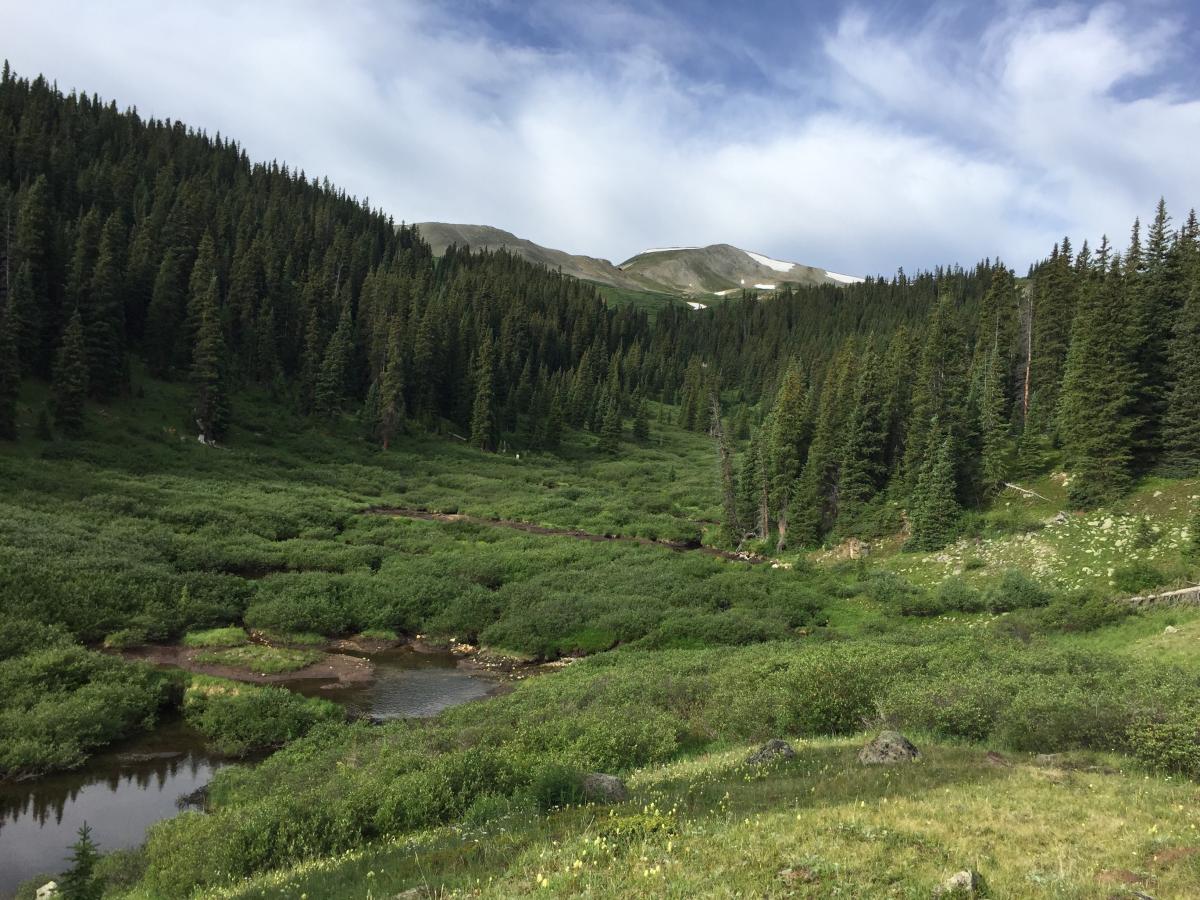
column 858, row 137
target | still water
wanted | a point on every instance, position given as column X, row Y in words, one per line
column 123, row 792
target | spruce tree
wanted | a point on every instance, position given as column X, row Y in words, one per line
column 861, row 472
column 25, row 319
column 164, row 317
column 935, row 511
column 70, row 386
column 641, row 423
column 332, row 378
column 103, row 314
column 211, row 412
column 80, row 881
column 993, row 422
column 10, row 377
column 1181, row 424
column 610, row 429
column 391, row 388
column 1097, row 415
column 552, row 433
column 483, row 410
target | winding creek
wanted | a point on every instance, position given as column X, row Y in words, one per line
column 129, row 787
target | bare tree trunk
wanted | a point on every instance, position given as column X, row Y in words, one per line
column 764, row 502
column 782, row 524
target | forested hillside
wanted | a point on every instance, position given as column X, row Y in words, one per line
column 870, row 407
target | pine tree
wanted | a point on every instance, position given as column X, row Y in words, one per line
column 332, row 379
column 641, row 423
column 935, row 511
column 70, row 387
column 10, row 377
column 731, row 526
column 993, row 422
column 1097, row 412
column 610, row 429
column 80, row 882
column 103, row 314
column 33, row 243
column 862, row 471
column 552, row 434
column 391, row 388
column 1181, row 424
column 25, row 319
column 483, row 410
column 211, row 412
column 164, row 316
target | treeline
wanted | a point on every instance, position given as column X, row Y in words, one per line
column 925, row 408
column 122, row 237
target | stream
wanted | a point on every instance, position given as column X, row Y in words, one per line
column 127, row 788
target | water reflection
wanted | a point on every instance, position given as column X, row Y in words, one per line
column 119, row 793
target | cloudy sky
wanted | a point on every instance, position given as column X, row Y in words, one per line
column 858, row 137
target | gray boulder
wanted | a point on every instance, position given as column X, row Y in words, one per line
column 772, row 750
column 601, row 788
column 966, row 883
column 890, row 747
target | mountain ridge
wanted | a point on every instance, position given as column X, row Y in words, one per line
column 715, row 270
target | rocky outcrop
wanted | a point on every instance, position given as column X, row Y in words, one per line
column 601, row 788
column 772, row 751
column 889, row 748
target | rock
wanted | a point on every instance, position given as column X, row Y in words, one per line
column 602, row 788
column 1049, row 759
column 966, row 883
column 49, row 889
column 1061, row 519
column 798, row 873
column 1170, row 629
column 852, row 548
column 992, row 758
column 771, row 751
column 890, row 747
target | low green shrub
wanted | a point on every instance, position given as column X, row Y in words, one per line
column 215, row 637
column 238, row 719
column 1169, row 746
column 1015, row 590
column 1135, row 577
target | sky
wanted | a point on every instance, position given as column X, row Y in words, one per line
column 857, row 137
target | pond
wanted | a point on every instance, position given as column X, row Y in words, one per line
column 122, row 792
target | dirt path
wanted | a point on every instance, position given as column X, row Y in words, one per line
column 680, row 546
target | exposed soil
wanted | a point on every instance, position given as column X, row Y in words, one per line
column 334, row 667
column 528, row 528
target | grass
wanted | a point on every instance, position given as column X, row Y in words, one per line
column 1149, row 529
column 820, row 825
column 261, row 659
column 295, row 638
column 215, row 637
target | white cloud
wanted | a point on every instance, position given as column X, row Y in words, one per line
column 924, row 150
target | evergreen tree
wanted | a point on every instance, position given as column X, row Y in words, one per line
column 33, row 250
column 1097, row 409
column 610, row 429
column 641, row 423
column 10, row 377
column 103, row 314
column 862, row 470
column 164, row 317
column 552, row 434
column 483, row 410
column 993, row 422
column 935, row 511
column 80, row 881
column 70, row 387
column 1181, row 425
column 25, row 319
column 391, row 389
column 211, row 412
column 332, row 379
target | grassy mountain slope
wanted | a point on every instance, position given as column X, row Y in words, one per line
column 717, row 268
column 441, row 235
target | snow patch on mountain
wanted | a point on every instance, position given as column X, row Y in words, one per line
column 844, row 279
column 694, row 305
column 666, row 249
column 765, row 287
column 777, row 264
